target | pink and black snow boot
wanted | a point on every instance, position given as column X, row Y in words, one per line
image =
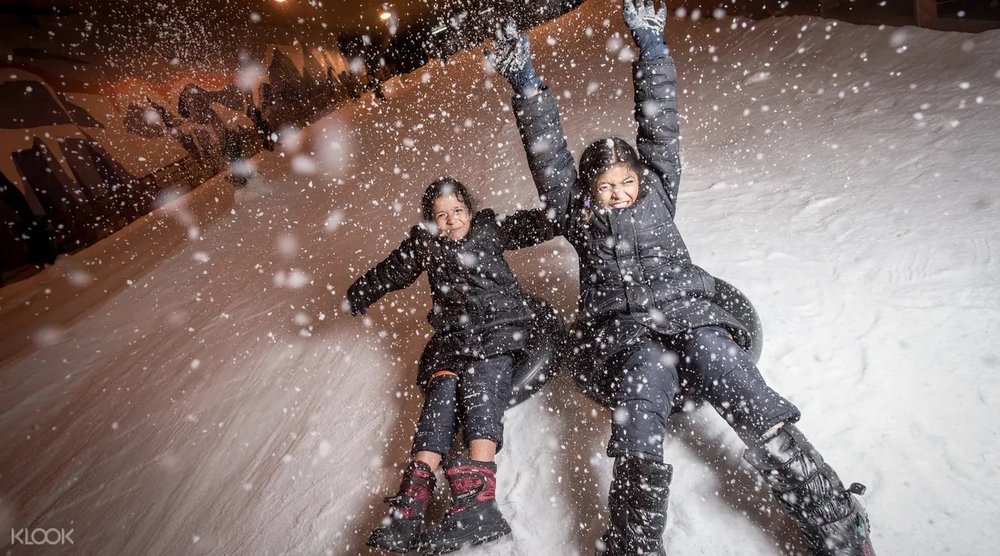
column 402, row 529
column 474, row 517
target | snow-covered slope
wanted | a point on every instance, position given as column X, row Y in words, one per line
column 191, row 386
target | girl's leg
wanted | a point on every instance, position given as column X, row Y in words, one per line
column 483, row 396
column 474, row 517
column 432, row 459
column 724, row 374
column 810, row 490
column 481, row 449
column 644, row 388
column 402, row 530
column 438, row 420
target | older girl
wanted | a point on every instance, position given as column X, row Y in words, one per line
column 647, row 316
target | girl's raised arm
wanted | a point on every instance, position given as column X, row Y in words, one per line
column 400, row 269
column 549, row 160
column 655, row 80
column 551, row 164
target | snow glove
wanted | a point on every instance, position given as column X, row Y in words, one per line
column 637, row 505
column 832, row 520
column 360, row 296
column 474, row 517
column 401, row 531
column 511, row 57
column 646, row 24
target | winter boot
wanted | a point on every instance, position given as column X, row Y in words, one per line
column 832, row 520
column 474, row 517
column 402, row 529
column 637, row 505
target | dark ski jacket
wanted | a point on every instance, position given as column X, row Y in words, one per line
column 479, row 308
column 636, row 274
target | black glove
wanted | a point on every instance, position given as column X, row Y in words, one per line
column 646, row 24
column 511, row 56
column 357, row 299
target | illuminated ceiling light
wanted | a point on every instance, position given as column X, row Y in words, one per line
column 385, row 16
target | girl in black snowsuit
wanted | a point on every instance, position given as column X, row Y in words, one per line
column 481, row 318
column 648, row 322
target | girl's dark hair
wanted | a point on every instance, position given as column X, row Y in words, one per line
column 442, row 188
column 600, row 156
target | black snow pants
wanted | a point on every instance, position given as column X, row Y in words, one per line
column 474, row 399
column 707, row 362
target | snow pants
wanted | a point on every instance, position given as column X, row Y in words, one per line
column 709, row 364
column 474, row 399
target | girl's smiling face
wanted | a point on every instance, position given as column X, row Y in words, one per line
column 451, row 216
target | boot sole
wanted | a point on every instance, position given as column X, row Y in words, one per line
column 397, row 548
column 471, row 539
column 400, row 547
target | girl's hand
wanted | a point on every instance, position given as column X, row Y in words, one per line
column 646, row 24
column 511, row 57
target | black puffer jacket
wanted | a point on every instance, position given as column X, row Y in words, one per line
column 479, row 307
column 635, row 271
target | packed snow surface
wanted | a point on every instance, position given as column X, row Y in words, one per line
column 191, row 385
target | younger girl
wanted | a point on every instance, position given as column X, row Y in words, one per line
column 481, row 320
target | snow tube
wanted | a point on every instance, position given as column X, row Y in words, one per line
column 541, row 360
column 538, row 362
column 737, row 305
column 727, row 297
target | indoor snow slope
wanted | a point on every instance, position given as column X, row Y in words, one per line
column 192, row 386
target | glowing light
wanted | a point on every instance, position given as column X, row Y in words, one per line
column 385, row 16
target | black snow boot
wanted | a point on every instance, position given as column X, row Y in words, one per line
column 474, row 517
column 832, row 520
column 637, row 504
column 402, row 529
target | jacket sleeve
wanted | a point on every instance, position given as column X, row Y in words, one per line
column 525, row 228
column 549, row 160
column 400, row 269
column 656, row 112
